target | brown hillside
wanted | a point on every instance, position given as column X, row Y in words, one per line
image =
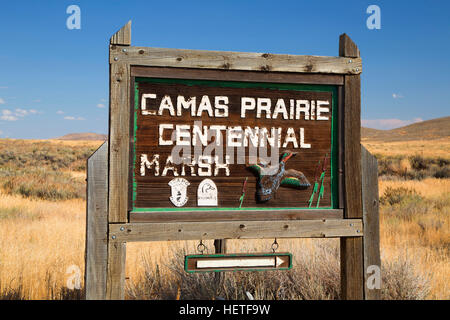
column 427, row 130
column 84, row 136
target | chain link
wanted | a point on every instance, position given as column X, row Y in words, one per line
column 275, row 245
column 201, row 247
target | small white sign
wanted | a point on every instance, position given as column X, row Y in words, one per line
column 179, row 191
column 207, row 193
column 241, row 262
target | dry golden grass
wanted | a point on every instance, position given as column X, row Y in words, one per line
column 429, row 188
column 424, row 148
column 39, row 243
column 420, row 231
column 40, row 239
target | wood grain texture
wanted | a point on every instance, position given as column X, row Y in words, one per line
column 341, row 154
column 251, row 215
column 123, row 36
column 119, row 121
column 263, row 62
column 352, row 147
column 371, row 219
column 352, row 266
column 236, row 75
column 236, row 230
column 115, row 285
column 97, row 224
column 347, row 48
column 352, row 279
column 220, row 246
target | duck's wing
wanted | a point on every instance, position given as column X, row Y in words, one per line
column 295, row 179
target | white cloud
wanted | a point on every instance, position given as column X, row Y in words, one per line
column 387, row 124
column 21, row 112
column 2, row 101
column 74, row 118
column 103, row 100
column 3, row 87
column 397, row 95
column 37, row 100
column 59, row 112
column 8, row 115
column 100, row 105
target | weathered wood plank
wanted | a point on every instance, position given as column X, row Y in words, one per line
column 352, row 278
column 261, row 215
column 115, row 286
column 347, row 48
column 236, row 230
column 370, row 220
column 182, row 58
column 119, row 122
column 352, row 268
column 123, row 36
column 97, row 224
column 237, row 75
column 220, row 246
column 119, row 133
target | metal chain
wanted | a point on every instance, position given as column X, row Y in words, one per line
column 275, row 245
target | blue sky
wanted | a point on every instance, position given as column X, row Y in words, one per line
column 54, row 81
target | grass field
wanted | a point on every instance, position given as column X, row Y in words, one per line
column 42, row 235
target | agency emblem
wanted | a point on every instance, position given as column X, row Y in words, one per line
column 179, row 191
column 207, row 193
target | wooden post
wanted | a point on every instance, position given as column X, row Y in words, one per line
column 371, row 221
column 352, row 278
column 119, row 117
column 96, row 224
column 220, row 246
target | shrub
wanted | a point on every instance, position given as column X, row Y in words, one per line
column 399, row 195
column 17, row 212
column 401, row 281
column 442, row 173
column 414, row 167
column 418, row 162
column 316, row 275
column 46, row 185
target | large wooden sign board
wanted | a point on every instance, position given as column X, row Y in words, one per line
column 299, row 120
column 184, row 127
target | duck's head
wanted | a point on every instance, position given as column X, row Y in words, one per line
column 286, row 155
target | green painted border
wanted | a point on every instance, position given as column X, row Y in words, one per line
column 235, row 84
column 186, row 258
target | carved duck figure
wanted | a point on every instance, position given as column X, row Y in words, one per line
column 270, row 178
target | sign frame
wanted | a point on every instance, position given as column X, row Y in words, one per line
column 357, row 210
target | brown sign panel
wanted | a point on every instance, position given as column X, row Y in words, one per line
column 199, row 145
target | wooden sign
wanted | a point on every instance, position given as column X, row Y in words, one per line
column 212, row 145
column 214, row 126
column 237, row 262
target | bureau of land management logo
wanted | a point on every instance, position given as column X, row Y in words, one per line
column 179, row 191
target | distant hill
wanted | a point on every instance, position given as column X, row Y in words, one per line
column 84, row 136
column 425, row 130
